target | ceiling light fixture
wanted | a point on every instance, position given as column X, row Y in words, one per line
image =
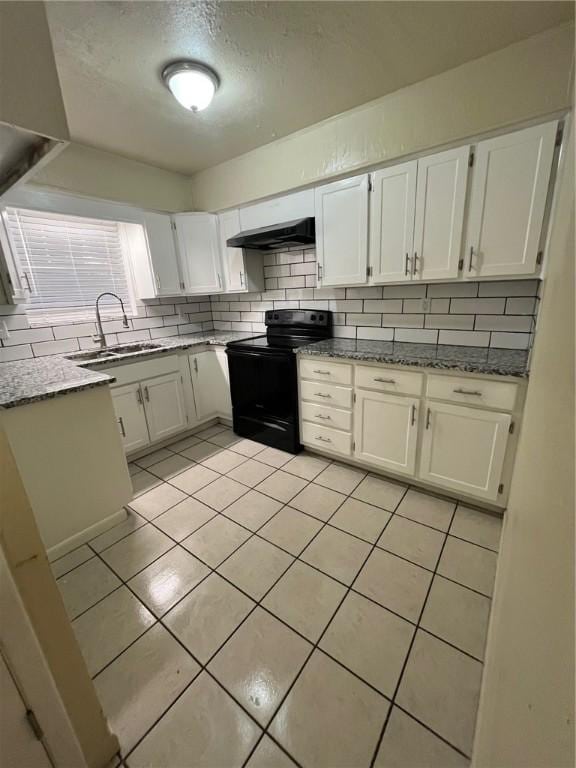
column 192, row 84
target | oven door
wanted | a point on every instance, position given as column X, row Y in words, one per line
column 264, row 392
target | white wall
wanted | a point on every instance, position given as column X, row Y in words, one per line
column 92, row 172
column 518, row 83
column 526, row 716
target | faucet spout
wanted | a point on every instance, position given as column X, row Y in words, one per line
column 101, row 337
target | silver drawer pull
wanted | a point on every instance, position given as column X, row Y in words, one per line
column 121, row 422
column 475, row 392
column 323, row 439
column 326, row 418
column 384, row 381
column 321, row 394
column 324, row 373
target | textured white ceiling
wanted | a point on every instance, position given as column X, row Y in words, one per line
column 283, row 65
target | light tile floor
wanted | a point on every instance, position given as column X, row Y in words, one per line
column 266, row 610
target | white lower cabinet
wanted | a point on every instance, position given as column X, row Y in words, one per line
column 464, row 448
column 210, row 382
column 164, row 406
column 386, row 430
column 129, row 409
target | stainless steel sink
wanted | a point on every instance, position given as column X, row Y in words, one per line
column 113, row 352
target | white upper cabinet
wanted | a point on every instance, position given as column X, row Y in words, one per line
column 508, row 198
column 199, row 250
column 232, row 258
column 342, row 231
column 298, row 205
column 440, row 200
column 162, row 252
column 392, row 207
column 243, row 269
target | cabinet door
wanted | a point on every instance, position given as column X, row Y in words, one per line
column 464, row 448
column 162, row 249
column 385, row 431
column 342, row 231
column 197, row 235
column 164, row 404
column 232, row 258
column 508, row 197
column 210, row 383
column 129, row 409
column 440, row 199
column 392, row 206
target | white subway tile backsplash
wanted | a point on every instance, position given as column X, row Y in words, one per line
column 55, row 347
column 346, row 305
column 404, row 291
column 129, row 336
column 464, row 338
column 310, row 281
column 477, row 306
column 293, row 282
column 161, row 309
column 282, row 270
column 305, row 268
column 31, row 336
column 15, row 322
column 441, row 290
column 510, row 340
column 287, row 304
column 363, row 319
column 416, row 335
column 300, row 293
column 75, row 330
column 315, row 304
column 379, row 334
column 440, row 306
column 344, row 332
column 162, row 333
column 451, row 322
column 403, row 321
column 291, row 257
column 382, row 305
column 330, row 293
column 142, row 323
column 370, row 292
column 509, row 288
column 522, row 323
column 521, row 306
column 19, row 352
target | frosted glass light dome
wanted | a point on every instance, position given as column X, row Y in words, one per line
column 191, row 84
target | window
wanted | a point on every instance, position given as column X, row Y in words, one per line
column 67, row 262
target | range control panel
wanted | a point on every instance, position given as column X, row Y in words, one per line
column 299, row 317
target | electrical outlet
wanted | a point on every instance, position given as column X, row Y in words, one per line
column 4, row 332
column 425, row 305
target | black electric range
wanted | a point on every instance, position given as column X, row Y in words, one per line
column 263, row 376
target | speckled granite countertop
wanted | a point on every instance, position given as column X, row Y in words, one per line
column 499, row 362
column 27, row 381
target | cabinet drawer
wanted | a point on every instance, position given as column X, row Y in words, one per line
column 328, row 417
column 328, row 394
column 388, row 380
column 330, row 439
column 319, row 370
column 491, row 394
column 142, row 369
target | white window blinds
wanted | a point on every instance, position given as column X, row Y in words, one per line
column 67, row 262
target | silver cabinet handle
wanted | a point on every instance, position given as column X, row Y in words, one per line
column 28, row 286
column 158, row 281
column 242, row 279
column 321, row 416
column 413, row 416
column 196, row 365
column 324, row 373
column 321, row 394
column 475, row 392
column 415, row 264
column 384, row 381
column 319, row 267
column 146, row 394
column 139, row 396
column 323, row 439
column 428, row 414
column 121, row 422
column 407, row 266
column 219, row 280
column 471, row 259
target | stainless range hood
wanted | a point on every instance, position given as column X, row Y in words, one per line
column 290, row 233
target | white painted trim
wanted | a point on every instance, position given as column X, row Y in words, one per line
column 88, row 533
column 22, row 651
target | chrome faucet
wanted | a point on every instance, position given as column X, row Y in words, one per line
column 101, row 338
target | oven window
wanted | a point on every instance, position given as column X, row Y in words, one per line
column 263, row 385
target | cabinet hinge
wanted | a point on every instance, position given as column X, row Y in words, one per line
column 501, row 488
column 539, row 257
column 460, row 265
column 511, row 428
column 34, row 724
column 471, row 160
column 559, row 135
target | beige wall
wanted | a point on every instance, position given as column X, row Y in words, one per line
column 30, row 94
column 518, row 83
column 94, row 173
column 526, row 717
column 26, row 558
